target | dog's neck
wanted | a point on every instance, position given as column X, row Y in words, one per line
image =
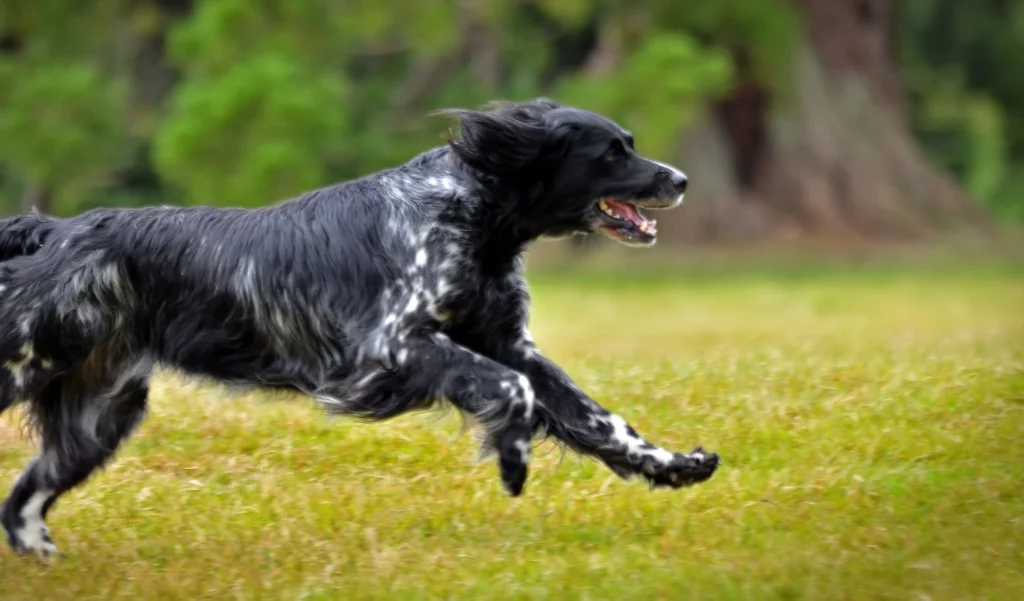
column 499, row 222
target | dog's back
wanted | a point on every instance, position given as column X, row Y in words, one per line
column 269, row 296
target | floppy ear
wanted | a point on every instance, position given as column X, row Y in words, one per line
column 501, row 142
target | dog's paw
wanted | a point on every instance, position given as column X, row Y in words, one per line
column 513, row 457
column 32, row 538
column 683, row 470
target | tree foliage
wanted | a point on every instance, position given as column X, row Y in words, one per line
column 84, row 134
column 256, row 133
column 243, row 102
column 707, row 72
column 966, row 93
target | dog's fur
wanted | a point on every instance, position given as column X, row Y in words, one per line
column 376, row 297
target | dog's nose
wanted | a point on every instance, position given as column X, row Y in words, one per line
column 677, row 178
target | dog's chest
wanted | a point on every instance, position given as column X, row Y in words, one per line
column 432, row 284
column 481, row 306
column 458, row 300
column 445, row 283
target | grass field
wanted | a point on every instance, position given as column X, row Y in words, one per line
column 871, row 425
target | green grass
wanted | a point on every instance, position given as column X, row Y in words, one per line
column 871, row 425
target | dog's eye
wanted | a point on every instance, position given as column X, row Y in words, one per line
column 615, row 151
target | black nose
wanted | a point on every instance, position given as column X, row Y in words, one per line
column 678, row 179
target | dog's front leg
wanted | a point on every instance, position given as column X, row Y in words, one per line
column 571, row 416
column 426, row 368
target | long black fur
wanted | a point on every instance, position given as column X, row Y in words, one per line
column 376, row 296
column 24, row 234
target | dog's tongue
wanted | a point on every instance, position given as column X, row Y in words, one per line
column 628, row 212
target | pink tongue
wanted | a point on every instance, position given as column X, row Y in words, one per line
column 626, row 211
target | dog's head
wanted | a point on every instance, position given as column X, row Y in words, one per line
column 575, row 171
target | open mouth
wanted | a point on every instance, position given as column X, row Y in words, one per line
column 625, row 223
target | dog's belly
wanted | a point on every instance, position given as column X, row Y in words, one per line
column 240, row 352
column 264, row 370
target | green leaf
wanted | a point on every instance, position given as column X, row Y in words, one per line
column 656, row 90
column 61, row 126
column 263, row 130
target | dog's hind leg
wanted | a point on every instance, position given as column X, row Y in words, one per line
column 17, row 356
column 82, row 416
column 23, row 370
column 427, row 369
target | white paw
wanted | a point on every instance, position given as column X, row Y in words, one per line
column 34, row 537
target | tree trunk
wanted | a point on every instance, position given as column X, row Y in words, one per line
column 836, row 161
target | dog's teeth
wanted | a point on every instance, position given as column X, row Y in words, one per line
column 643, row 227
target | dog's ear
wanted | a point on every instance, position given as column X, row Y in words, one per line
column 502, row 141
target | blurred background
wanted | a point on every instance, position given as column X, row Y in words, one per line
column 846, row 121
column 869, row 413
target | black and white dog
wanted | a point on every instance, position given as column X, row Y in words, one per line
column 376, row 297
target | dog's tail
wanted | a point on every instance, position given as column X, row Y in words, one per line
column 24, row 234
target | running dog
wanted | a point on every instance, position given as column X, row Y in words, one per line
column 376, row 297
